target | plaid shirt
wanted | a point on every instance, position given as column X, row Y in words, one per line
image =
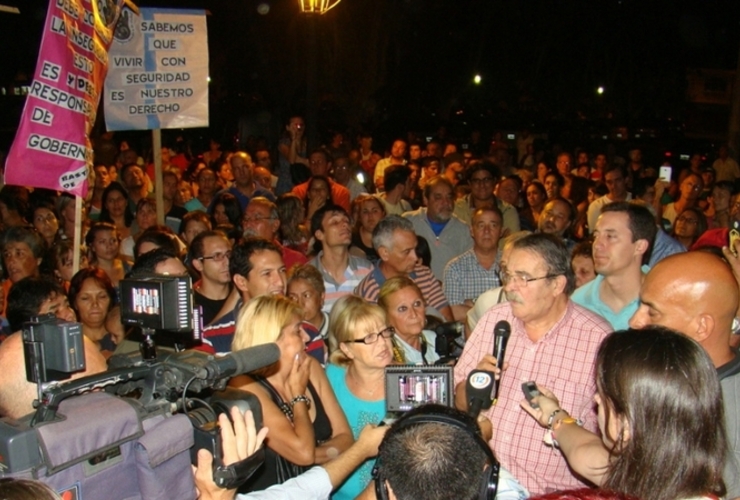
column 465, row 278
column 369, row 287
column 562, row 361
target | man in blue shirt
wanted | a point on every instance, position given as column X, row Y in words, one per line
column 623, row 239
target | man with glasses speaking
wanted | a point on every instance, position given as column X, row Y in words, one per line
column 553, row 342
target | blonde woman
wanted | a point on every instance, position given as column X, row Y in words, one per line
column 306, row 424
column 404, row 304
column 360, row 349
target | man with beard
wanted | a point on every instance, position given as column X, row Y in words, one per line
column 447, row 235
column 623, row 239
column 553, row 341
column 261, row 220
column 556, row 218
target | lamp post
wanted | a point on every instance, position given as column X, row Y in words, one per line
column 312, row 8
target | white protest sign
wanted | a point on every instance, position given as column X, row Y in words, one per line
column 158, row 72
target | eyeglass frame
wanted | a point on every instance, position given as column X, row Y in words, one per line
column 247, row 220
column 216, row 257
column 522, row 281
column 377, row 335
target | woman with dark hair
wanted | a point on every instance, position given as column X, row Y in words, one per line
column 225, row 209
column 542, row 170
column 367, row 211
column 317, row 195
column 660, row 414
column 689, row 225
column 116, row 209
column 92, row 296
column 103, row 242
column 44, row 220
column 536, row 198
column 292, row 215
column 146, row 217
column 61, row 257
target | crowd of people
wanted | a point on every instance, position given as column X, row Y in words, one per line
column 620, row 286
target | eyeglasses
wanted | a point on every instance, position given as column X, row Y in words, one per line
column 216, row 257
column 256, row 218
column 687, row 220
column 521, row 280
column 373, row 337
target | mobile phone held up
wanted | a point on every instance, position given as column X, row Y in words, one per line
column 530, row 392
column 665, row 173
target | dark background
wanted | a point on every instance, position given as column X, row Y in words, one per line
column 392, row 65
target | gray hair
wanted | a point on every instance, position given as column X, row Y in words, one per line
column 553, row 251
column 383, row 232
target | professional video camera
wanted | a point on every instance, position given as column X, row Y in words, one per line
column 450, row 341
column 133, row 431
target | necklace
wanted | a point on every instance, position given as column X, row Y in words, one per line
column 359, row 385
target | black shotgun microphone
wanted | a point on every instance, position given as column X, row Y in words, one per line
column 502, row 332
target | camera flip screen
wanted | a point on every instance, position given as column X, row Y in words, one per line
column 409, row 386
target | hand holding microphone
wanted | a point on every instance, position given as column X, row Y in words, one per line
column 482, row 387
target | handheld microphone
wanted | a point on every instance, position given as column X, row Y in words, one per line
column 242, row 361
column 502, row 332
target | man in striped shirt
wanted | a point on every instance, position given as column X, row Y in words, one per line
column 395, row 241
column 341, row 271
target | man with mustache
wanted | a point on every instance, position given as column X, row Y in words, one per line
column 261, row 220
column 447, row 235
column 553, row 341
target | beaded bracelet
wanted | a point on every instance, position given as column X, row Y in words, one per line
column 300, row 399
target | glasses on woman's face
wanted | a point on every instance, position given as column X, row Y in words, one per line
column 687, row 220
column 373, row 337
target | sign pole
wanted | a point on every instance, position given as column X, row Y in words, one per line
column 158, row 184
column 78, row 235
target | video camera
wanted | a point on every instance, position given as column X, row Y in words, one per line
column 450, row 341
column 133, row 431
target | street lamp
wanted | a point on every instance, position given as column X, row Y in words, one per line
column 317, row 6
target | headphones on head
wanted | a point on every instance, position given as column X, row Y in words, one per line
column 438, row 414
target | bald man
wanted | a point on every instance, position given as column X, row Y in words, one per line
column 16, row 393
column 696, row 294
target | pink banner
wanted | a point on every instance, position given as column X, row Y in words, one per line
column 52, row 147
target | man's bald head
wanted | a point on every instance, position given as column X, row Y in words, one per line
column 694, row 293
column 16, row 393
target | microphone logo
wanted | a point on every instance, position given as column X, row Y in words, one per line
column 480, row 380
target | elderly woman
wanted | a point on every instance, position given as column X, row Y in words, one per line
column 361, row 348
column 644, row 377
column 402, row 301
column 23, row 251
column 92, row 296
column 306, row 288
column 367, row 211
column 306, row 424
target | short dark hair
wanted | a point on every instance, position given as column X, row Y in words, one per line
column 641, row 223
column 582, row 249
column 395, row 175
column 423, row 251
column 147, row 262
column 486, row 166
column 100, row 277
column 554, row 253
column 240, row 261
column 558, row 178
column 26, row 296
column 196, row 246
column 317, row 218
column 161, row 236
column 613, row 167
column 195, row 215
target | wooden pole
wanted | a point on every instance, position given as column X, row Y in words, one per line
column 78, row 235
column 158, row 185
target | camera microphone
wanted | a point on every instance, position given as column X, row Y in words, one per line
column 242, row 361
column 502, row 332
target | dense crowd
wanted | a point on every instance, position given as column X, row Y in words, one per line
column 349, row 258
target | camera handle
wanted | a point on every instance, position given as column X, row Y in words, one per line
column 52, row 395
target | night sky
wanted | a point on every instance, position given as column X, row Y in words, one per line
column 398, row 64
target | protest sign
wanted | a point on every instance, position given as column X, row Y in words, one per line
column 158, row 75
column 52, row 147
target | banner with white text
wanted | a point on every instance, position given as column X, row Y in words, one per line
column 158, row 75
column 52, row 147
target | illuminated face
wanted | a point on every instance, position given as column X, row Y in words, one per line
column 552, row 187
column 19, row 261
column 440, row 202
column 318, row 164
column 555, row 218
column 615, row 183
column 105, row 245
column 268, row 274
column 721, row 199
column 687, row 224
column 115, row 203
column 292, row 340
column 613, row 248
column 507, row 191
column 481, row 185
column 102, row 178
column 170, row 187
column 58, row 305
column 379, row 354
column 530, row 301
column 318, row 190
column 563, row 165
column 335, row 230
column 146, row 216
column 583, row 268
column 398, row 150
column 370, row 214
column 241, row 167
column 432, row 169
column 258, row 222
column 46, row 223
column 92, row 303
column 486, row 229
column 406, row 312
column 219, row 214
column 193, row 229
column 401, row 257
column 535, row 196
column 691, row 187
column 214, row 267
column 310, row 300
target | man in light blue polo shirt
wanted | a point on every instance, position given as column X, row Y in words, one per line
column 623, row 239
